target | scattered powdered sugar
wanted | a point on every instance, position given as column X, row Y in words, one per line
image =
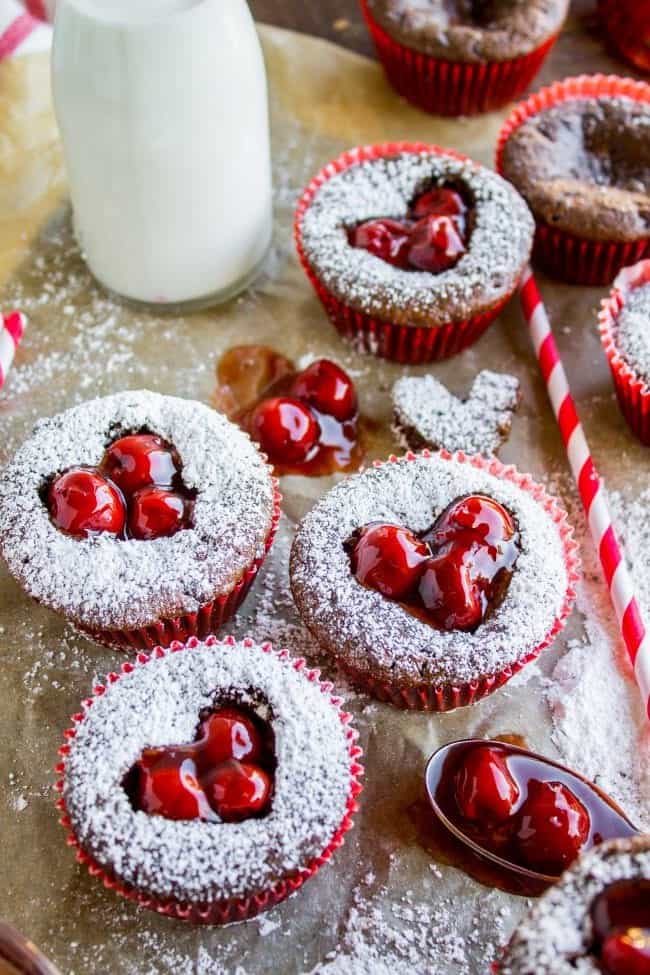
column 104, row 582
column 377, row 636
column 632, row 331
column 159, row 704
column 499, row 247
column 598, row 716
column 428, row 415
column 556, row 936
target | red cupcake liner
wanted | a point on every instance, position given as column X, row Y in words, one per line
column 562, row 255
column 409, row 344
column 453, row 87
column 633, row 392
column 447, row 697
column 205, row 621
column 233, row 909
column 627, row 28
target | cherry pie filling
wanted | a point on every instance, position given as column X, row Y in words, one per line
column 306, row 422
column 136, row 491
column 433, row 236
column 226, row 774
column 621, row 924
column 523, row 808
column 451, row 576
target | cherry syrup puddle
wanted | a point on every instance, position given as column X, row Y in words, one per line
column 433, row 236
column 306, row 422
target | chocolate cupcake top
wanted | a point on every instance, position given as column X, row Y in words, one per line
column 158, row 704
column 380, row 638
column 584, row 167
column 104, row 582
column 557, row 937
column 500, row 241
column 632, row 332
column 467, row 30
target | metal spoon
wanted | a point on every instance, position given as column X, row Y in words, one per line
column 19, row 956
column 444, row 758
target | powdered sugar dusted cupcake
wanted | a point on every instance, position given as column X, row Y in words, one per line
column 412, row 249
column 625, row 334
column 210, row 781
column 428, row 415
column 596, row 919
column 139, row 517
column 434, row 578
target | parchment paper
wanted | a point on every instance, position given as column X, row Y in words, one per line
column 382, row 905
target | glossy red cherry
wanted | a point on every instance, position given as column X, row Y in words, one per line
column 449, row 593
column 139, row 460
column 387, row 239
column 482, row 517
column 168, row 785
column 389, row 559
column 441, row 201
column 485, row 789
column 285, row 428
column 82, row 502
column 155, row 512
column 228, row 733
column 552, row 826
column 238, row 790
column 627, row 952
column 326, row 388
column 436, row 244
column 621, row 905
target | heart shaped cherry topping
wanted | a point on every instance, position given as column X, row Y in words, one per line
column 130, row 494
column 140, row 460
column 225, row 774
column 453, row 574
column 82, row 502
column 432, row 237
column 621, row 922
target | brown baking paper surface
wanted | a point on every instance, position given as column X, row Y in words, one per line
column 381, row 905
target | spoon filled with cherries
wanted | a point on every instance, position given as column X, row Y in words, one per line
column 523, row 815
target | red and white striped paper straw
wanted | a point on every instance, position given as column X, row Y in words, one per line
column 11, row 332
column 590, row 486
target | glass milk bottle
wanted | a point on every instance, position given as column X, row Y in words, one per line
column 162, row 107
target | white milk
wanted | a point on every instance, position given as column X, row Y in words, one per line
column 162, row 106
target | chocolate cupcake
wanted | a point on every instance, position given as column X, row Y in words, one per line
column 625, row 334
column 595, row 920
column 579, row 153
column 413, row 250
column 395, row 576
column 208, row 782
column 461, row 58
column 141, row 518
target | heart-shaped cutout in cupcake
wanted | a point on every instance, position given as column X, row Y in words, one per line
column 428, row 415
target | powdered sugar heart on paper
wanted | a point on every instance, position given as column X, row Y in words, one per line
column 428, row 415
